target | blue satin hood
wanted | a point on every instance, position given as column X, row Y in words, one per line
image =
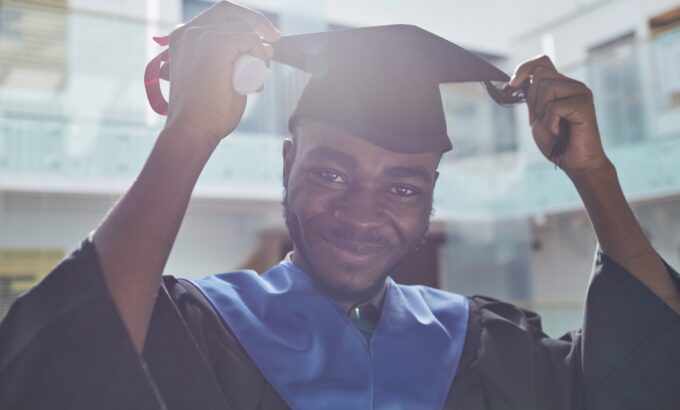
column 310, row 352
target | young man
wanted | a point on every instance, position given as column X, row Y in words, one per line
column 328, row 328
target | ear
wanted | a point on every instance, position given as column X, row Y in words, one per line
column 288, row 159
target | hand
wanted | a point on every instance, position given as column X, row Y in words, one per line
column 552, row 97
column 202, row 103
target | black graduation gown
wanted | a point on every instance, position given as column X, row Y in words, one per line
column 63, row 345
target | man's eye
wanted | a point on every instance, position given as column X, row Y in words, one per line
column 403, row 191
column 331, row 176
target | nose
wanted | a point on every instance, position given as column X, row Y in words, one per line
column 361, row 209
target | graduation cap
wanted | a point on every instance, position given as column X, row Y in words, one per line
column 379, row 83
column 382, row 83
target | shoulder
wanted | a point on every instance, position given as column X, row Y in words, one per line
column 274, row 277
column 511, row 330
column 509, row 335
column 507, row 351
column 435, row 299
column 483, row 311
column 499, row 330
column 492, row 312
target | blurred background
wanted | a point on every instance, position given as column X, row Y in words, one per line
column 75, row 129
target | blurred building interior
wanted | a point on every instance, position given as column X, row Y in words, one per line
column 75, row 129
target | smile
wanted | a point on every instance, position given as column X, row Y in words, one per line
column 351, row 250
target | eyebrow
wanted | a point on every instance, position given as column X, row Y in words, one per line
column 409, row 172
column 331, row 154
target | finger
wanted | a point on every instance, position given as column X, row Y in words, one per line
column 270, row 50
column 248, row 29
column 551, row 90
column 232, row 45
column 238, row 26
column 226, row 11
column 205, row 46
column 566, row 108
column 524, row 70
column 258, row 50
column 539, row 74
column 177, row 35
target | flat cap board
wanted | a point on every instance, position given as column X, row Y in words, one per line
column 382, row 83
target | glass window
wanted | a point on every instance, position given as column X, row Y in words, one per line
column 614, row 76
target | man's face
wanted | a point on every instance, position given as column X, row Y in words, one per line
column 353, row 209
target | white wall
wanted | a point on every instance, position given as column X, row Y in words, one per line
column 215, row 237
column 563, row 260
column 575, row 34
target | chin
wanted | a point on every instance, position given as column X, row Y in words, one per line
column 347, row 283
column 336, row 277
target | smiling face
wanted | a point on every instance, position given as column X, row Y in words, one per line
column 353, row 209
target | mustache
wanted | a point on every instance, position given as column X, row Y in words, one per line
column 348, row 233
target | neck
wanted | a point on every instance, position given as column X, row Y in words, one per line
column 376, row 300
column 345, row 304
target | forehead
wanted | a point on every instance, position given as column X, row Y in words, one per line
column 314, row 139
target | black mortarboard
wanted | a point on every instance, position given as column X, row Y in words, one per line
column 382, row 83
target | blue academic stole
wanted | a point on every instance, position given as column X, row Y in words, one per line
column 311, row 353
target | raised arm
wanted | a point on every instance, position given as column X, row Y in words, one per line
column 553, row 96
column 135, row 238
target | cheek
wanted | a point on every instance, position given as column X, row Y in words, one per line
column 411, row 221
column 307, row 200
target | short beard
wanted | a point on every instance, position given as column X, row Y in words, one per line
column 330, row 288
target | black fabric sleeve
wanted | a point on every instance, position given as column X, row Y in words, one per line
column 631, row 342
column 64, row 346
column 626, row 356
